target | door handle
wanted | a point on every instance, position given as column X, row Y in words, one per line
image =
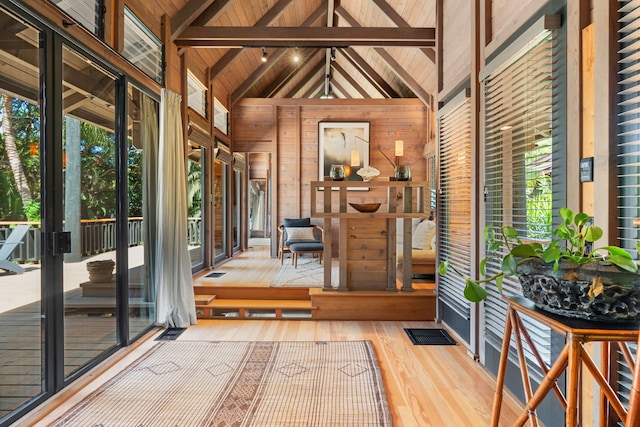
column 60, row 242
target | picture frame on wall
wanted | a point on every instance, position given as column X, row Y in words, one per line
column 343, row 143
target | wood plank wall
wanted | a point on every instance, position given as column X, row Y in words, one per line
column 296, row 149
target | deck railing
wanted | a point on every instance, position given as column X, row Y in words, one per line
column 96, row 236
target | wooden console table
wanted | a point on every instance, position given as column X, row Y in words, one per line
column 571, row 359
column 367, row 241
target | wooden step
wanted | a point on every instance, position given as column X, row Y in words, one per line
column 374, row 305
column 255, row 309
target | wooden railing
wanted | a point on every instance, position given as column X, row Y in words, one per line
column 96, row 236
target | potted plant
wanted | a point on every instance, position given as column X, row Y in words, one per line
column 567, row 276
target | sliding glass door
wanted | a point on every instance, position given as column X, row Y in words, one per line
column 22, row 340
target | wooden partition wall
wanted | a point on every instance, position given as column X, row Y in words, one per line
column 289, row 130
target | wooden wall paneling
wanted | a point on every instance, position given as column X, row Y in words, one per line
column 574, row 103
column 605, row 66
column 456, row 45
column 507, row 17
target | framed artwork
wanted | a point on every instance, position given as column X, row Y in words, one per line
column 343, row 143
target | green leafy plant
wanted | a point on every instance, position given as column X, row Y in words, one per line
column 572, row 242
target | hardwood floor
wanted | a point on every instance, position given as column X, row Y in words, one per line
column 427, row 386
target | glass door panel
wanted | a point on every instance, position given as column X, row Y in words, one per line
column 196, row 185
column 21, row 313
column 142, row 168
column 219, row 209
column 89, row 206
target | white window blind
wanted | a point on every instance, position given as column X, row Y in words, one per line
column 628, row 148
column 142, row 47
column 454, row 208
column 220, row 117
column 87, row 13
column 196, row 94
column 518, row 104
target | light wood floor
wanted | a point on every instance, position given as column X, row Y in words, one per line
column 438, row 386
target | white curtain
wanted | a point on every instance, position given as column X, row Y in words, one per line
column 175, row 299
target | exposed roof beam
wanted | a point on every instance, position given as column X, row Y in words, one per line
column 338, row 91
column 315, row 71
column 400, row 22
column 211, row 12
column 189, row 13
column 232, row 54
column 315, row 87
column 423, row 95
column 195, row 36
column 369, row 73
column 338, row 69
column 274, row 56
column 288, row 73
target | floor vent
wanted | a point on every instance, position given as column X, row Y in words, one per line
column 170, row 334
column 215, row 274
column 429, row 336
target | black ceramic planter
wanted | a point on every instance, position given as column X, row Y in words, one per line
column 566, row 292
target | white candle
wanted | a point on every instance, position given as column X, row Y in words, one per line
column 355, row 158
column 399, row 148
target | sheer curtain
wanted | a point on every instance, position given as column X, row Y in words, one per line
column 175, row 299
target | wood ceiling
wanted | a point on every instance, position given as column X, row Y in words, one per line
column 348, row 48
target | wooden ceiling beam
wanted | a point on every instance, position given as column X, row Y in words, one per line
column 315, row 87
column 288, row 73
column 354, row 84
column 369, row 73
column 262, row 69
column 315, row 71
column 211, row 12
column 189, row 13
column 422, row 94
column 399, row 21
column 197, row 36
column 232, row 54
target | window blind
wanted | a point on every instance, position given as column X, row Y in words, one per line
column 142, row 47
column 87, row 13
column 454, row 208
column 518, row 104
column 628, row 145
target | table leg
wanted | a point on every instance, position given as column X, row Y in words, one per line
column 502, row 369
column 547, row 383
column 573, row 376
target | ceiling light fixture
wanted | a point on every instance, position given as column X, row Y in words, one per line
column 264, row 55
column 296, row 58
column 333, row 54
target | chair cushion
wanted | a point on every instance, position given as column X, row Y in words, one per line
column 423, row 235
column 297, row 222
column 299, row 233
column 306, row 247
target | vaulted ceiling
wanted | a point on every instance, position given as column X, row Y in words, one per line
column 346, row 48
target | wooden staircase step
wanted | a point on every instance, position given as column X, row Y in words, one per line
column 258, row 309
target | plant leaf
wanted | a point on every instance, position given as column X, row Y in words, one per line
column 596, row 287
column 442, row 268
column 499, row 283
column 614, row 250
column 551, row 254
column 510, row 265
column 593, row 233
column 566, row 214
column 624, row 263
column 474, row 292
column 483, row 268
column 510, row 232
column 523, row 251
column 581, row 218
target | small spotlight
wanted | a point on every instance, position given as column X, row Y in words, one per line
column 333, row 54
column 296, row 58
column 264, row 55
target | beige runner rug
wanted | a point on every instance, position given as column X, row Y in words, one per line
column 309, row 274
column 276, row 384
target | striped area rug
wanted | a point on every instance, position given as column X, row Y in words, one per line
column 275, row 384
